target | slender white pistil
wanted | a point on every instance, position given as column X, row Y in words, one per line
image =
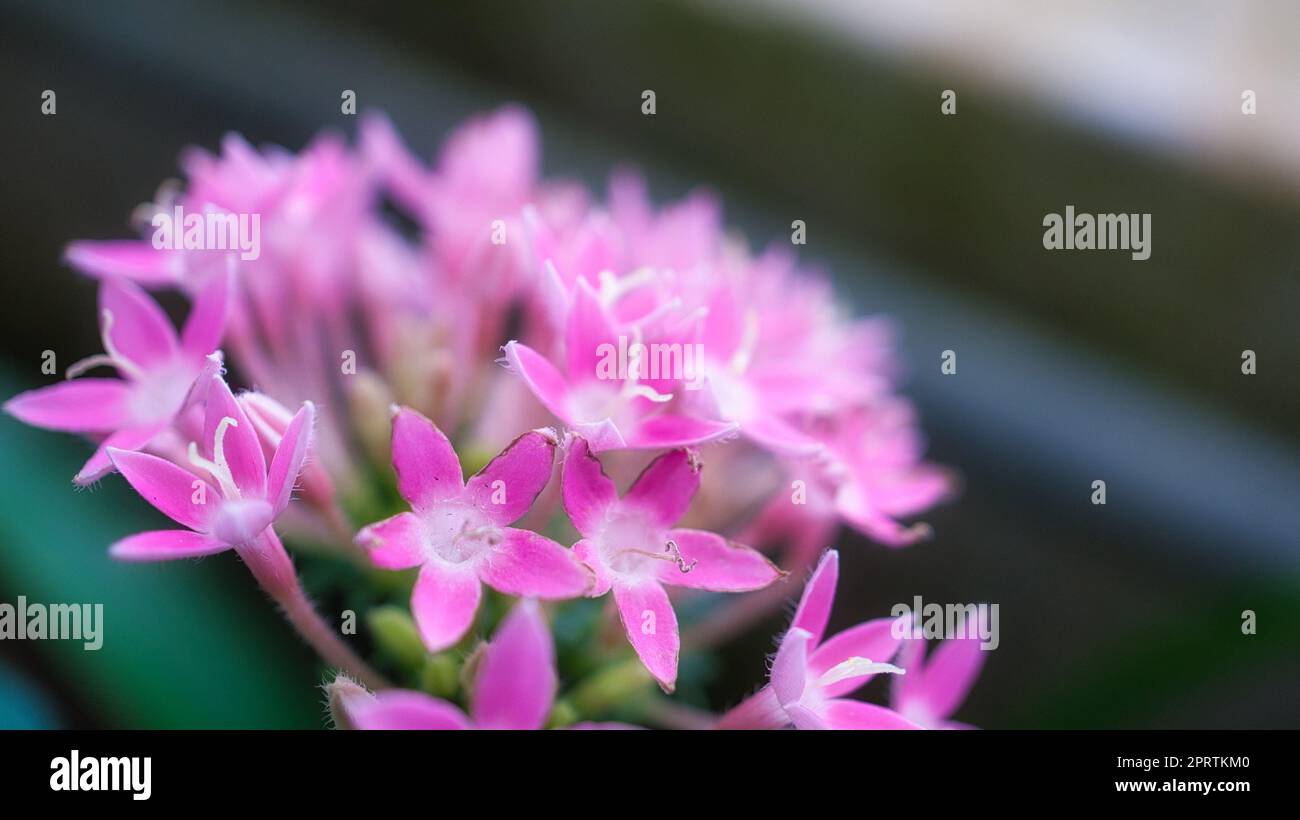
column 111, row 356
column 218, row 467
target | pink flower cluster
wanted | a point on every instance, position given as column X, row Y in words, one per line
column 592, row 344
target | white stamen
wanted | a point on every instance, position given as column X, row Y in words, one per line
column 111, row 358
column 855, row 668
column 218, row 467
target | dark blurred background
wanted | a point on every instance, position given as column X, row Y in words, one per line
column 1072, row 366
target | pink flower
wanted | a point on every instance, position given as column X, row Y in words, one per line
column 878, row 474
column 157, row 369
column 935, row 686
column 630, row 544
column 611, row 411
column 513, row 688
column 810, row 677
column 457, row 531
column 238, row 500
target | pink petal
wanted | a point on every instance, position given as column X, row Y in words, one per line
column 165, row 545
column 516, row 679
column 207, row 320
column 139, row 329
column 790, row 668
column 591, row 556
column 818, row 596
column 129, row 438
column 839, row 713
column 443, row 603
column 289, row 457
column 950, row 673
column 873, row 640
column 132, row 259
column 858, row 513
column 242, row 449
column 531, row 565
column 545, row 382
column 399, row 709
column 780, row 436
column 716, row 564
column 677, row 431
column 665, row 488
column 651, row 626
column 180, row 495
column 911, row 684
column 78, row 406
column 589, row 327
column 427, row 467
column 601, row 436
column 588, row 493
column 394, row 543
column 523, row 470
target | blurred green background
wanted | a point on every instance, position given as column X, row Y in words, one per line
column 1073, row 366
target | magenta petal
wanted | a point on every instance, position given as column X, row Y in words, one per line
column 399, row 709
column 531, row 565
column 242, row 450
column 588, row 493
column 677, row 431
column 589, row 327
column 665, row 488
column 132, row 259
column 443, row 603
column 180, row 495
column 651, row 626
column 818, row 596
column 790, row 668
column 714, row 563
column 516, row 680
column 138, row 329
column 289, row 457
column 78, row 406
column 394, row 543
column 949, row 674
column 508, row 485
column 874, row 640
column 207, row 320
column 165, row 545
column 100, row 465
column 427, row 467
column 545, row 382
column 839, row 713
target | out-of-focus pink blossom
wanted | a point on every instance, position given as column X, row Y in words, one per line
column 158, row 370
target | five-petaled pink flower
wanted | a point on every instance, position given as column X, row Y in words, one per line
column 513, row 688
column 810, row 677
column 611, row 413
column 935, row 685
column 631, row 545
column 239, row 510
column 158, row 373
column 457, row 532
